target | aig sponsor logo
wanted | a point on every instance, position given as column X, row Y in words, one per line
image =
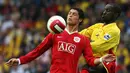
column 66, row 47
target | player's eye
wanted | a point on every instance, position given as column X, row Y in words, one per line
column 69, row 13
column 74, row 14
column 108, row 10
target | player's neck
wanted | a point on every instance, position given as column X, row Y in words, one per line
column 108, row 22
column 72, row 28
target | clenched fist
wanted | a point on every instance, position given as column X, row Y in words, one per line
column 13, row 62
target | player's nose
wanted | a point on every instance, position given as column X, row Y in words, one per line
column 104, row 12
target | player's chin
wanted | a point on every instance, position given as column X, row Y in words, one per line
column 69, row 22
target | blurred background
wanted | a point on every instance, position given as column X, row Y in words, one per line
column 23, row 27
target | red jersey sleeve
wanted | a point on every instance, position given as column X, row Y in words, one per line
column 40, row 49
column 88, row 54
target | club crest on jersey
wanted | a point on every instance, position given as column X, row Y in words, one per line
column 107, row 36
column 66, row 47
column 76, row 39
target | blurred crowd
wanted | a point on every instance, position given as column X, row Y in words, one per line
column 23, row 27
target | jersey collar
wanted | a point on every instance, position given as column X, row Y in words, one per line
column 70, row 32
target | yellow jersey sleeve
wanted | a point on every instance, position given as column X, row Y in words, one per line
column 106, row 42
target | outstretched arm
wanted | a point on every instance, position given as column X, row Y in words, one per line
column 91, row 60
column 105, row 58
column 40, row 49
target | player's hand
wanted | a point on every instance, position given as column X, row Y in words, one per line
column 12, row 62
column 108, row 58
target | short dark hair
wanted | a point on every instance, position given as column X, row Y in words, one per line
column 81, row 14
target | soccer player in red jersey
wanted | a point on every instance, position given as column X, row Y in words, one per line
column 66, row 47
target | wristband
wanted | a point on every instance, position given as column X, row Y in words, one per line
column 19, row 61
column 100, row 59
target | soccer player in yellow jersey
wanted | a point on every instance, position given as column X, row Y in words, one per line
column 104, row 38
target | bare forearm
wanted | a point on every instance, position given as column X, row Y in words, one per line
column 105, row 58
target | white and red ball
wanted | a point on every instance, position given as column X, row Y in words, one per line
column 56, row 24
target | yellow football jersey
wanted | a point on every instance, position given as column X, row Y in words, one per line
column 103, row 38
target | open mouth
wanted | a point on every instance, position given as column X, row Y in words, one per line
column 102, row 16
column 69, row 19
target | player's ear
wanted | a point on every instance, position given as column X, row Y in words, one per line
column 116, row 15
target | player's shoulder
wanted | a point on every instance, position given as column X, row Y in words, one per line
column 98, row 24
column 113, row 28
column 83, row 37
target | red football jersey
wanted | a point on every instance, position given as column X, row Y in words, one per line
column 66, row 50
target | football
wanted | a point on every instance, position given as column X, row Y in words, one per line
column 56, row 24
